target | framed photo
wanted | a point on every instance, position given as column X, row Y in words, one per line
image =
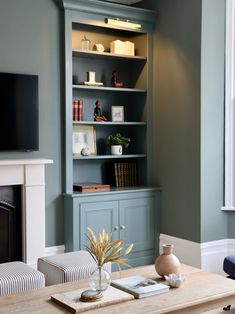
column 117, row 113
column 84, row 136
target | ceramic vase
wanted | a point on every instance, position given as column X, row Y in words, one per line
column 167, row 263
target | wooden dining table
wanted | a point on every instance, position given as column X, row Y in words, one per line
column 201, row 292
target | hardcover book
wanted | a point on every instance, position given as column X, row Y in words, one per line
column 139, row 286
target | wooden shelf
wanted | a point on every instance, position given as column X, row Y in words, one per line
column 108, row 123
column 109, row 89
column 106, row 55
column 98, row 157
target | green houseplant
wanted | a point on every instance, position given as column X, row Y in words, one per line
column 117, row 142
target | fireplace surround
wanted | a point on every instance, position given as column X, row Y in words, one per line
column 30, row 174
column 10, row 223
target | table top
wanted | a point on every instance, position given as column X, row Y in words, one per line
column 199, row 289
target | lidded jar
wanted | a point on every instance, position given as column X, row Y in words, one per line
column 167, row 263
column 86, row 43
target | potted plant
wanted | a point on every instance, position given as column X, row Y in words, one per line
column 117, row 143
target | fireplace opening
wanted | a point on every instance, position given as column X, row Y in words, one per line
column 10, row 223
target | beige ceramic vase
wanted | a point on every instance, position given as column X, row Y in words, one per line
column 167, row 263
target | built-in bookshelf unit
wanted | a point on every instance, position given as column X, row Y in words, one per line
column 88, row 53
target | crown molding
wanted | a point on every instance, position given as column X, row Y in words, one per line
column 109, row 9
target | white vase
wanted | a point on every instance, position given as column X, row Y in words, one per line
column 116, row 149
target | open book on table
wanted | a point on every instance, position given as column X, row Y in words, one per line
column 139, row 286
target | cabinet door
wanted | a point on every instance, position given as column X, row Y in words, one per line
column 98, row 216
column 137, row 222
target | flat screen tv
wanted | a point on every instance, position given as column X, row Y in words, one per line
column 19, row 112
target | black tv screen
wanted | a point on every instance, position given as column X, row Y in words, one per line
column 19, row 112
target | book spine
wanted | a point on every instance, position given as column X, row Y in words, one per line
column 75, row 110
column 80, row 109
column 119, row 174
column 130, row 174
column 125, row 171
column 117, row 182
column 135, row 174
column 122, row 174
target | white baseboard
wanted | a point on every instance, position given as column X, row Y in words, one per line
column 188, row 252
column 53, row 250
column 208, row 256
column 213, row 254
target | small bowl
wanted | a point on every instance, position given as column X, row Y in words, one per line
column 175, row 280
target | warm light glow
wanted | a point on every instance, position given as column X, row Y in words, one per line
column 123, row 23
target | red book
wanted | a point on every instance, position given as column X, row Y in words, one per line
column 80, row 107
column 75, row 110
column 73, row 103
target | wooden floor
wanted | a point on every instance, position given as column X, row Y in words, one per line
column 201, row 292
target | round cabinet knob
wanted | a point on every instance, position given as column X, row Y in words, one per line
column 115, row 228
column 122, row 227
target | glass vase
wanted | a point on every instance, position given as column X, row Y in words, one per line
column 100, row 279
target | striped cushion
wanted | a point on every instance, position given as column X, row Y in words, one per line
column 17, row 277
column 67, row 267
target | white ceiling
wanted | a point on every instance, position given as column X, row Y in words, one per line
column 128, row 2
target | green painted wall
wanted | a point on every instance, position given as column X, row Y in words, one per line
column 30, row 43
column 177, row 116
column 189, row 94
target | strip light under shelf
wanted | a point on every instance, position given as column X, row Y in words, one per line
column 122, row 23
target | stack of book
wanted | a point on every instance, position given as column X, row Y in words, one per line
column 123, row 174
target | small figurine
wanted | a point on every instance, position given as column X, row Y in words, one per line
column 97, row 112
column 115, row 82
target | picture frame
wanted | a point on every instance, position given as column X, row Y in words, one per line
column 84, row 136
column 118, row 113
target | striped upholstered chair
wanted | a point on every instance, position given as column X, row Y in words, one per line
column 66, row 267
column 18, row 277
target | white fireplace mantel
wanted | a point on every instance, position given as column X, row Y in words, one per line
column 30, row 173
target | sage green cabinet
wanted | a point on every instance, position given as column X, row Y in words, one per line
column 137, row 222
column 98, row 216
column 132, row 216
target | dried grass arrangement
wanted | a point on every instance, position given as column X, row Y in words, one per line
column 104, row 250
